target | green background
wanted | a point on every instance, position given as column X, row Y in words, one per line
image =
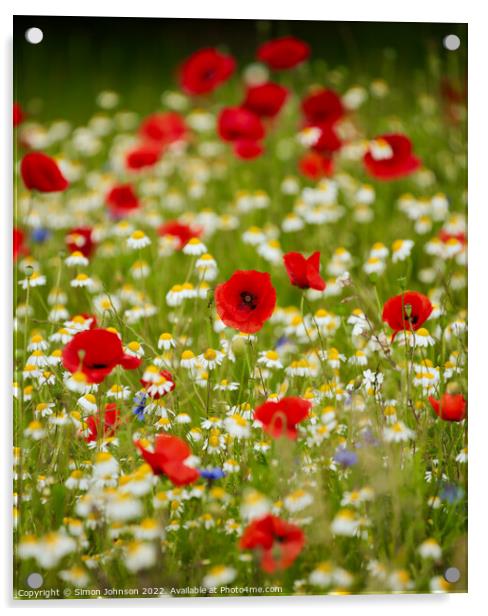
column 138, row 57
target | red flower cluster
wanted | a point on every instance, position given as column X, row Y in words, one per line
column 281, row 418
column 182, row 232
column 451, row 407
column 304, row 273
column 322, row 109
column 122, row 200
column 41, row 172
column 168, row 458
column 96, row 352
column 283, row 53
column 109, row 419
column 157, row 131
column 206, row 70
column 390, row 157
column 246, row 300
column 80, row 239
column 242, row 126
column 408, row 310
column 278, row 542
column 243, row 129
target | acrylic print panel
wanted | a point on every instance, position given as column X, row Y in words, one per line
column 240, row 308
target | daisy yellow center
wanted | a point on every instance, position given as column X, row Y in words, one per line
column 239, row 420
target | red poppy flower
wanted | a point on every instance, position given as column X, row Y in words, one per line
column 205, row 70
column 247, row 149
column 41, row 172
column 19, row 247
column 408, row 310
column 304, row 273
column 246, row 300
column 163, row 128
column 96, row 352
column 278, row 542
column 237, row 123
column 282, row 53
column 315, row 165
column 122, row 200
column 109, row 419
column 329, row 141
column 266, row 99
column 80, row 239
column 445, row 237
column 18, row 114
column 182, row 232
column 144, row 155
column 160, row 384
column 281, row 418
column 390, row 157
column 168, row 458
column 451, row 407
column 322, row 107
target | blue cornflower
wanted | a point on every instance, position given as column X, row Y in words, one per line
column 139, row 403
column 40, row 235
column 345, row 458
column 211, row 473
column 451, row 493
column 282, row 340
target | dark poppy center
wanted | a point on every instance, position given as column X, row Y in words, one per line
column 98, row 366
column 409, row 315
column 208, row 74
column 249, row 300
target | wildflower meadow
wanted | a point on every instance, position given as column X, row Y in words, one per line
column 240, row 329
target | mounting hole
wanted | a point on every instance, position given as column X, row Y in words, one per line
column 35, row 580
column 452, row 575
column 452, row 42
column 34, row 36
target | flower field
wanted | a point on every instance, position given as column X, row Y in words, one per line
column 240, row 334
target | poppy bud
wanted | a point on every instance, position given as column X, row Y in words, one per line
column 238, row 346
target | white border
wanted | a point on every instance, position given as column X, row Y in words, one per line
column 470, row 11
